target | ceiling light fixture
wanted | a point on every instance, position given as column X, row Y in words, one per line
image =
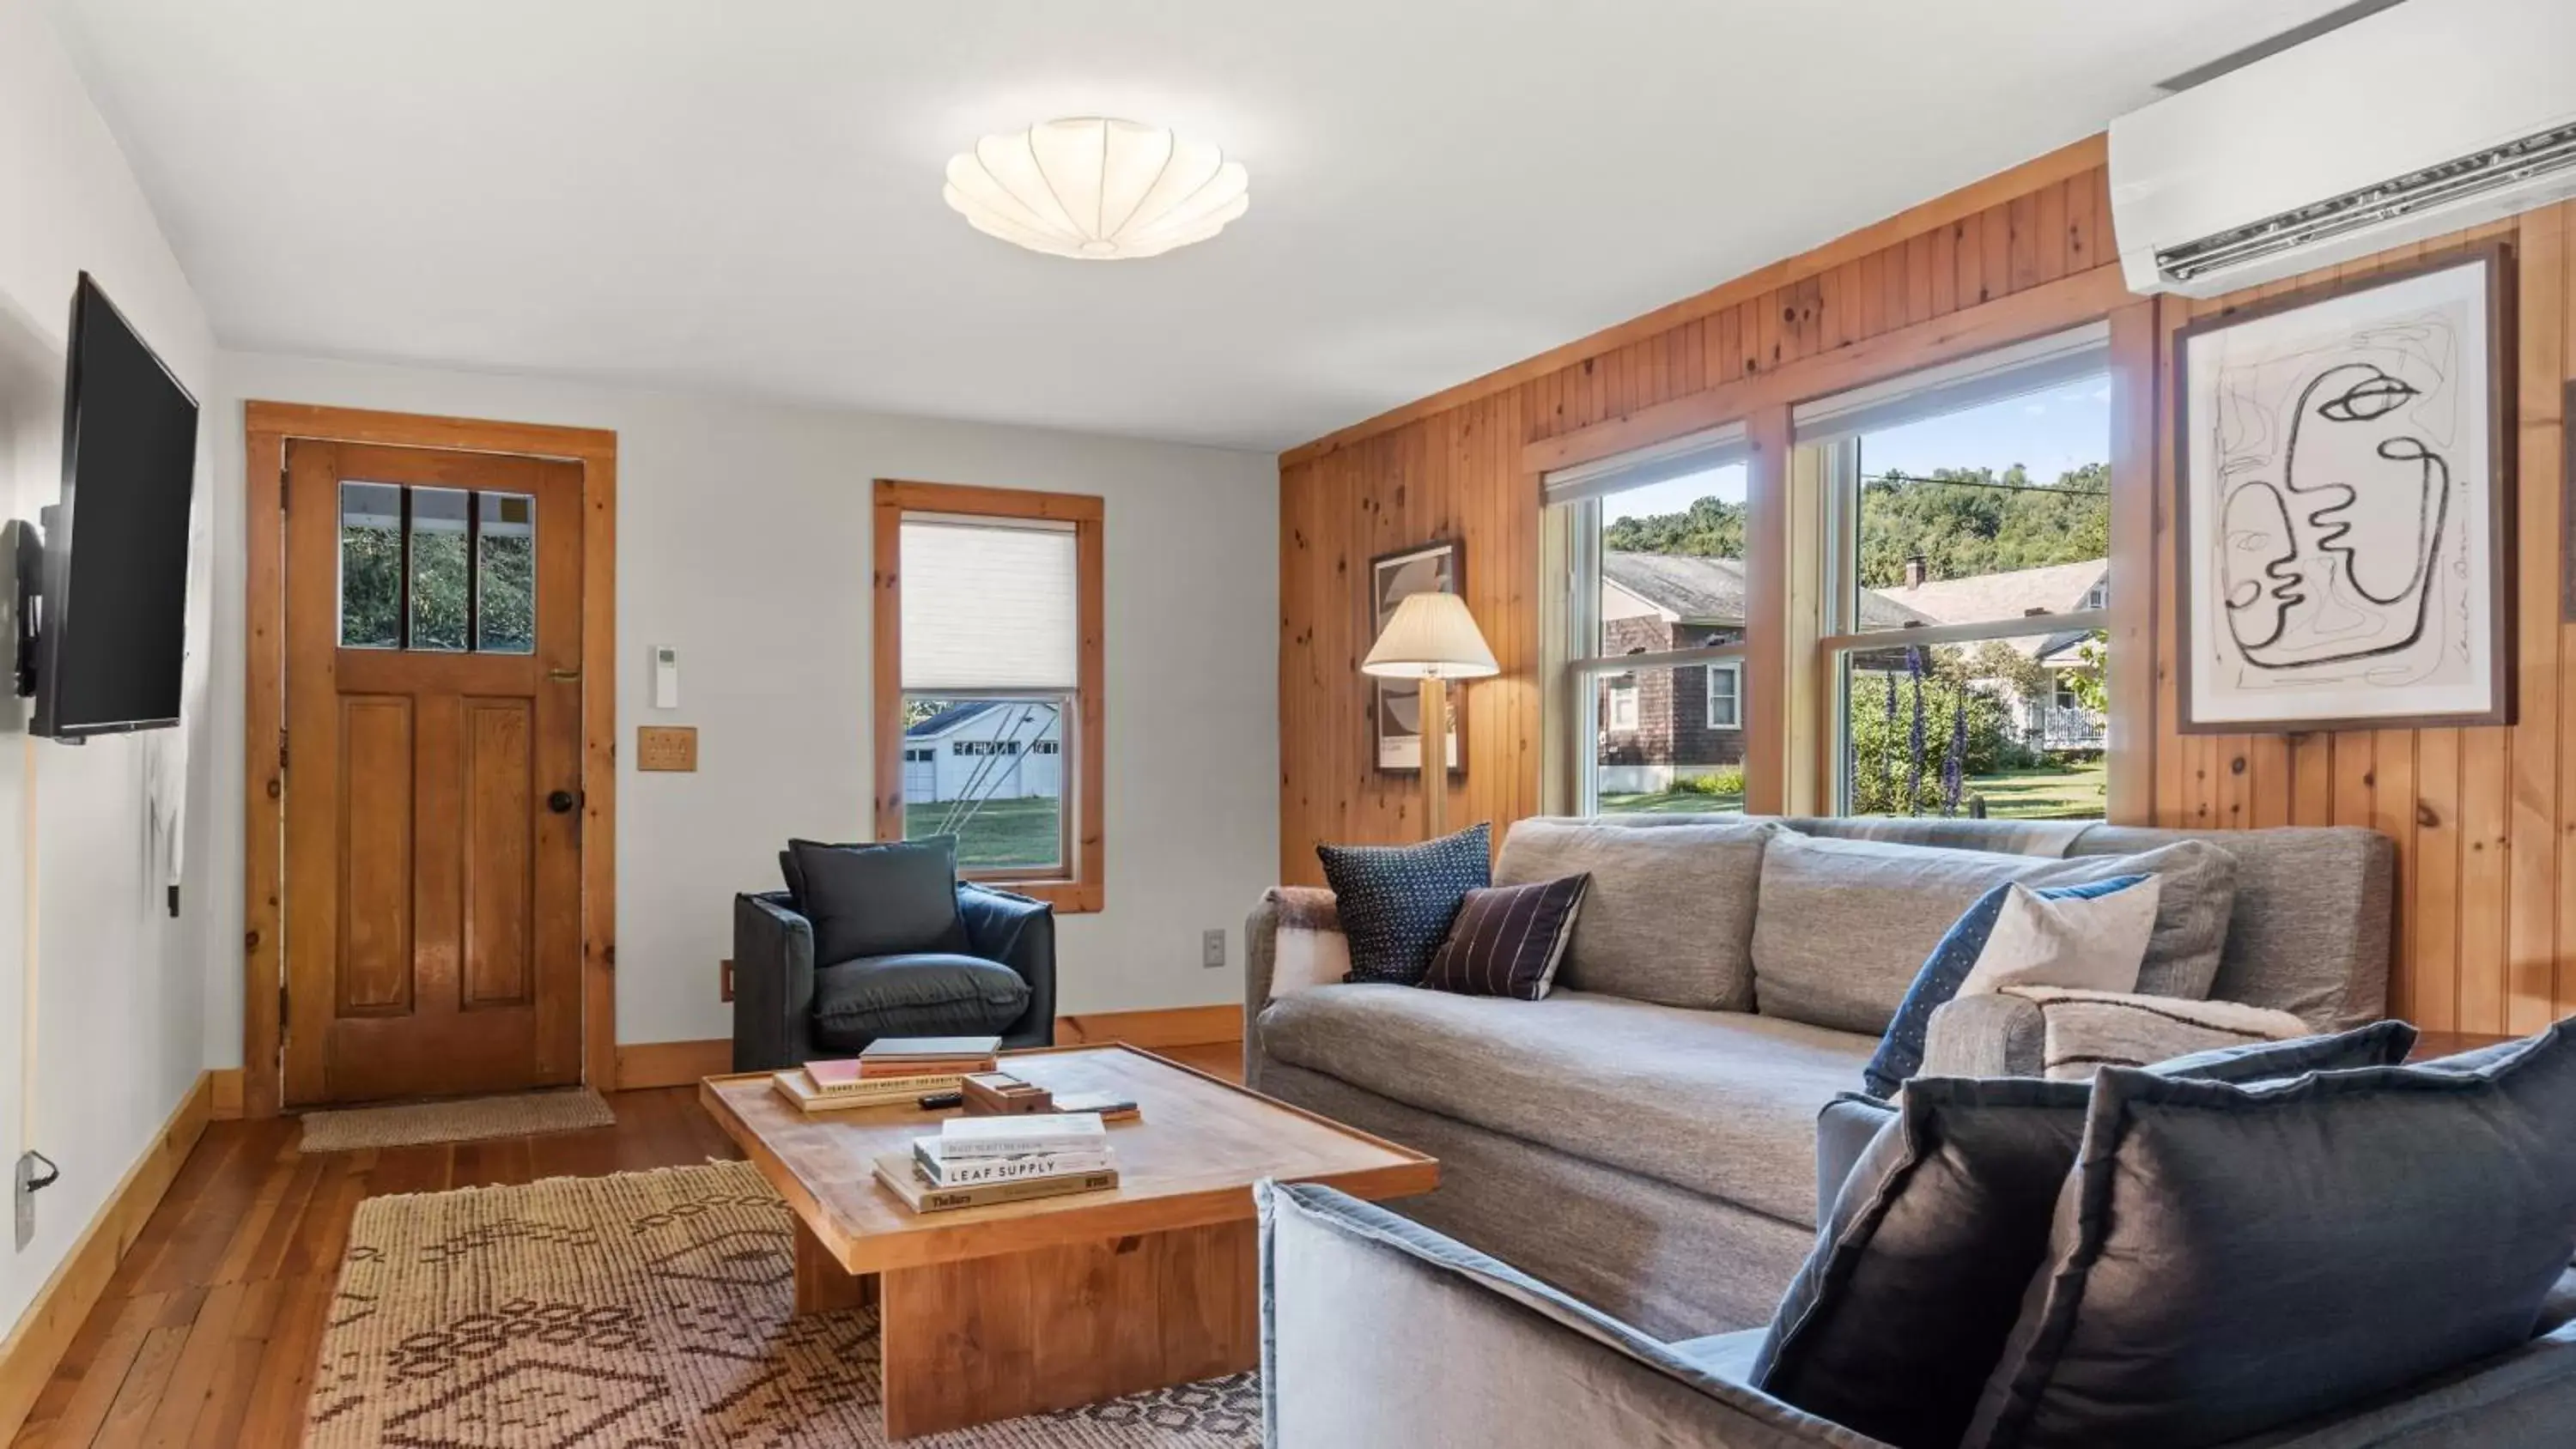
column 1097, row 189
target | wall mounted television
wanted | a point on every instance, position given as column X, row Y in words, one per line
column 110, row 624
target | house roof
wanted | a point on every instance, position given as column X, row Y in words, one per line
column 1711, row 590
column 1984, row 598
column 947, row 719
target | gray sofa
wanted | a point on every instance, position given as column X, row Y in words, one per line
column 1659, row 1162
column 1377, row 1331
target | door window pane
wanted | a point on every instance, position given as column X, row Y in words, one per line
column 370, row 566
column 991, row 773
column 1988, row 513
column 2003, row 728
column 440, row 579
column 1656, row 747
column 505, row 573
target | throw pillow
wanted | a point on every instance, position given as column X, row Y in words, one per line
column 1396, row 901
column 880, row 899
column 1508, row 940
column 1920, row 1268
column 2090, row 943
column 1949, row 967
column 1669, row 915
column 2084, row 1030
column 1845, row 924
column 2229, row 1259
column 1307, row 947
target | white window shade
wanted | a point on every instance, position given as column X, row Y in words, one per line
column 988, row 606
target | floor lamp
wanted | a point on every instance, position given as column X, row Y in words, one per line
column 1434, row 639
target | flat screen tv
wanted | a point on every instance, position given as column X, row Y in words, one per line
column 111, row 627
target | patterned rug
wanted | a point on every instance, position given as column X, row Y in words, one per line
column 464, row 1119
column 642, row 1309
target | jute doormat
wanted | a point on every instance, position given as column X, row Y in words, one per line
column 642, row 1309
column 466, row 1119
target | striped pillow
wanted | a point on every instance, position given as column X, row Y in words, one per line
column 1507, row 940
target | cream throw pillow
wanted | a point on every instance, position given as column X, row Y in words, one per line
column 2091, row 943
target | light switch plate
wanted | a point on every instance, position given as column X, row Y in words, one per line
column 1212, row 949
column 666, row 747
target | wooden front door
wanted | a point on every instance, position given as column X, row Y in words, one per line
column 432, row 773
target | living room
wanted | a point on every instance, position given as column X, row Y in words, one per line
column 680, row 605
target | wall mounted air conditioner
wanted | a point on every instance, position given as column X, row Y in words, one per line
column 2421, row 119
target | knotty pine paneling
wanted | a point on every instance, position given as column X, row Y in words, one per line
column 2486, row 916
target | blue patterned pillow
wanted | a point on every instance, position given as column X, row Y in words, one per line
column 1396, row 901
column 1900, row 1052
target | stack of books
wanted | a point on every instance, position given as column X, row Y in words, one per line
column 979, row 1160
column 897, row 1071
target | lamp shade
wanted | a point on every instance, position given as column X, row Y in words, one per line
column 1432, row 636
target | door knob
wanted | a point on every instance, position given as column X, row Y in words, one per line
column 562, row 801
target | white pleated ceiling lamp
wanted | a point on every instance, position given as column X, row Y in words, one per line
column 1097, row 189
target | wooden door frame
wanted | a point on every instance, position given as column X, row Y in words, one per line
column 267, row 427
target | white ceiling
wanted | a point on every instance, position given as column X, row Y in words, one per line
column 742, row 196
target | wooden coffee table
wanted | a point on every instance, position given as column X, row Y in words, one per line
column 992, row 1312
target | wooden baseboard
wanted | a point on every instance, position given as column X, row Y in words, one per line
column 45, row 1330
column 1171, row 1026
column 228, row 1093
column 671, row 1063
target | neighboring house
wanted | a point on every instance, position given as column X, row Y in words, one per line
column 2053, row 718
column 1662, row 725
column 984, row 750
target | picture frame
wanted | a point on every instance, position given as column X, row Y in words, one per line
column 2344, row 502
column 1395, row 741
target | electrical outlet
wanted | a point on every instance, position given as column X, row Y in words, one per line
column 1212, row 949
column 24, row 1194
column 724, row 980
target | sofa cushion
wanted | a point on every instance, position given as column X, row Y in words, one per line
column 930, row 993
column 1396, row 901
column 1845, row 924
column 1720, row 1103
column 2229, row 1259
column 1669, row 916
column 1938, row 1227
column 874, row 900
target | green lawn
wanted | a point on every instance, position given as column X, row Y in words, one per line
column 2074, row 792
column 1000, row 832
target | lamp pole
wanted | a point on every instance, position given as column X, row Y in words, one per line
column 1435, row 757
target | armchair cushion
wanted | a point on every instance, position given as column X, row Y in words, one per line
column 927, row 993
column 877, row 900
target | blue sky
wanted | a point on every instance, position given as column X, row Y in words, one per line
column 2049, row 433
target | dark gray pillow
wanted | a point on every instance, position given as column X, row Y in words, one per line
column 1920, row 1271
column 1396, row 901
column 878, row 900
column 2228, row 1259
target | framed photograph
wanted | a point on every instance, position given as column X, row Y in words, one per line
column 1395, row 714
column 2344, row 504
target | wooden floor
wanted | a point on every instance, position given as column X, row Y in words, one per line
column 208, row 1332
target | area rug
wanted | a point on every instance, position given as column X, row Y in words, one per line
column 642, row 1309
column 466, row 1119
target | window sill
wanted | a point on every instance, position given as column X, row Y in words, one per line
column 1069, row 897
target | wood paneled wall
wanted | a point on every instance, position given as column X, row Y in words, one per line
column 2483, row 835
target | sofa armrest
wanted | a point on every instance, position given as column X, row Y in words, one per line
column 773, row 984
column 1294, row 921
column 1844, row 1130
column 2048, row 1031
column 1019, row 933
column 1984, row 1036
column 1368, row 1321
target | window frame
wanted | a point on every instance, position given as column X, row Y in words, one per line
column 1828, row 433
column 1078, row 883
column 1733, row 670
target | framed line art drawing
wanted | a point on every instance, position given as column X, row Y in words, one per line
column 2343, row 463
column 1395, row 715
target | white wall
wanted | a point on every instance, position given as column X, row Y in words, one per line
column 121, row 985
column 743, row 541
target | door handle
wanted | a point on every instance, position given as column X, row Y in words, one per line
column 564, row 676
column 562, row 801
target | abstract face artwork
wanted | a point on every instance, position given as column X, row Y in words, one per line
column 2341, row 506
